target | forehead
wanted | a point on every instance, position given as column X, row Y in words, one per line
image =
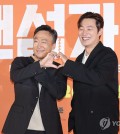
column 88, row 22
column 43, row 35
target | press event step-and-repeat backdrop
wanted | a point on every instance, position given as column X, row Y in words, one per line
column 18, row 19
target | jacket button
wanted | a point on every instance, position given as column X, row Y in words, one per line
column 91, row 112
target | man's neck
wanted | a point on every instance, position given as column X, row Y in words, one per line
column 88, row 49
column 35, row 58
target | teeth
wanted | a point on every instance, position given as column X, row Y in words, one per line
column 40, row 50
column 85, row 38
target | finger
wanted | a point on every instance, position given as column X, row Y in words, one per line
column 60, row 66
column 53, row 53
column 50, row 56
column 54, row 66
column 61, row 55
column 58, row 55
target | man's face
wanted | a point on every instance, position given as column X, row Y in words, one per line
column 42, row 44
column 88, row 33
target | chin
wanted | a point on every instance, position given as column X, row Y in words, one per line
column 85, row 44
column 41, row 57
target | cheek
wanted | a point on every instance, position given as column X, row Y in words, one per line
column 79, row 33
column 34, row 48
column 80, row 37
column 49, row 48
column 34, row 45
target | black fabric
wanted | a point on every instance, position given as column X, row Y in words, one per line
column 34, row 132
column 26, row 74
column 95, row 86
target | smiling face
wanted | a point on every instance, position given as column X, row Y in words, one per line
column 88, row 33
column 43, row 44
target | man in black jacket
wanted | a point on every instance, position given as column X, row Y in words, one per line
column 38, row 84
column 95, row 108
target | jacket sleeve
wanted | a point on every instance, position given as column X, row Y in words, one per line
column 19, row 71
column 102, row 73
column 55, row 84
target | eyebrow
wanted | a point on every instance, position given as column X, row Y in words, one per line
column 86, row 26
column 41, row 39
column 35, row 38
column 90, row 26
column 44, row 40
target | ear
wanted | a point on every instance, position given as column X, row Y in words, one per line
column 100, row 31
column 53, row 46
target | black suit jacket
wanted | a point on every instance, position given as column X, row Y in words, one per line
column 95, row 99
column 26, row 74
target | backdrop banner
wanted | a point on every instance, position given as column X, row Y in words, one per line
column 18, row 20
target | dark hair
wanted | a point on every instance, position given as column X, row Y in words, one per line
column 49, row 29
column 95, row 16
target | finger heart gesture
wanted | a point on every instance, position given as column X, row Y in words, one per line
column 48, row 60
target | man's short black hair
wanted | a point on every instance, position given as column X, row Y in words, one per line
column 49, row 29
column 92, row 15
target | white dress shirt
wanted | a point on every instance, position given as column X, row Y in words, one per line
column 36, row 120
column 85, row 57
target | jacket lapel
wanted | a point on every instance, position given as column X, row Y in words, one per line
column 30, row 61
column 94, row 53
column 80, row 57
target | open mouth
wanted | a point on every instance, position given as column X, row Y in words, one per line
column 85, row 38
column 40, row 51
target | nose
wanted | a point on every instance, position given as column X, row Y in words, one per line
column 84, row 32
column 39, row 44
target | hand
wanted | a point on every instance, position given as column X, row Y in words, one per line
column 48, row 60
column 63, row 58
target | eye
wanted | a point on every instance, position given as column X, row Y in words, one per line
column 35, row 41
column 81, row 28
column 44, row 42
column 89, row 29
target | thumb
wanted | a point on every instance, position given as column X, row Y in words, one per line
column 54, row 66
column 60, row 66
